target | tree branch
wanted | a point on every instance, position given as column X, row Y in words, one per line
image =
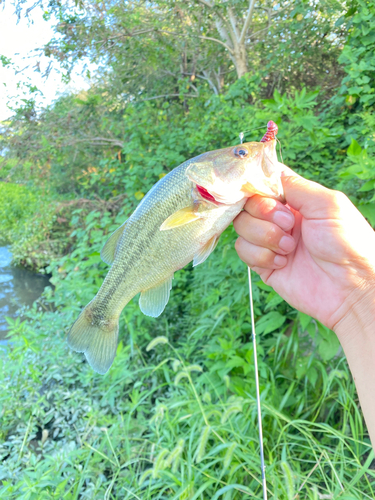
column 165, row 95
column 125, row 35
column 210, row 82
column 199, row 36
column 247, row 21
column 233, row 21
column 99, row 141
column 220, row 22
column 207, row 4
column 229, row 49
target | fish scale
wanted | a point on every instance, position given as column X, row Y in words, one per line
column 179, row 220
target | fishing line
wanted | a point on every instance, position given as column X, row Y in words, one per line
column 259, row 411
column 263, row 467
column 248, row 131
column 281, row 155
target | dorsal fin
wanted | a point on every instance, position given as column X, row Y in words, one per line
column 108, row 252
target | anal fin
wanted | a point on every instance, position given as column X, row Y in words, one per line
column 108, row 252
column 205, row 251
column 153, row 301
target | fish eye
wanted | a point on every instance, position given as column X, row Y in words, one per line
column 241, row 152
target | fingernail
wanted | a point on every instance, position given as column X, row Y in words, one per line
column 284, row 219
column 280, row 261
column 286, row 243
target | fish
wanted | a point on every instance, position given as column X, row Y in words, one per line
column 178, row 221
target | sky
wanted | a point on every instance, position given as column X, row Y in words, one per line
column 19, row 41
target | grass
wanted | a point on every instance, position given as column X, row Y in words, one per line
column 175, row 417
column 144, row 431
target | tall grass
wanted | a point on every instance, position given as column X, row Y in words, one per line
column 175, row 417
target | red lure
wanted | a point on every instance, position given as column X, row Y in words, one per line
column 272, row 130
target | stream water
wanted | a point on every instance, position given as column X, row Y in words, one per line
column 18, row 287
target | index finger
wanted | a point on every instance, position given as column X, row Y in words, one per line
column 270, row 210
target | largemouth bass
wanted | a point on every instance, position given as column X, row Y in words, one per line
column 179, row 220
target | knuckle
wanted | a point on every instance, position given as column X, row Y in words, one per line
column 271, row 235
column 266, row 258
column 244, row 255
column 340, row 198
column 238, row 221
column 257, row 205
column 239, row 244
column 265, row 205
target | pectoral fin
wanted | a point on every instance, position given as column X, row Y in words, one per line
column 205, row 251
column 185, row 216
column 153, row 301
column 108, row 252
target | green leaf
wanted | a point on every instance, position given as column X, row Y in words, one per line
column 263, row 286
column 368, row 211
column 367, row 186
column 312, row 376
column 273, row 300
column 354, row 149
column 238, row 487
column 328, row 343
column 301, row 367
column 362, row 470
column 270, row 322
column 304, row 319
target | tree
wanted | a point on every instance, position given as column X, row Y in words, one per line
column 149, row 49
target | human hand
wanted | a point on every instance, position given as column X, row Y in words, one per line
column 318, row 252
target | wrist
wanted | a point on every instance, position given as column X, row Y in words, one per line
column 356, row 332
column 359, row 318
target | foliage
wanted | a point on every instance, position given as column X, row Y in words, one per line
column 30, row 221
column 168, row 55
column 151, row 49
column 17, row 204
column 358, row 55
column 155, row 137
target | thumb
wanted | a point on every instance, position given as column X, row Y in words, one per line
column 311, row 199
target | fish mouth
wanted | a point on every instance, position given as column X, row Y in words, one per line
column 248, row 191
column 268, row 188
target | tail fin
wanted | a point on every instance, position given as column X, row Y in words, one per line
column 98, row 340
